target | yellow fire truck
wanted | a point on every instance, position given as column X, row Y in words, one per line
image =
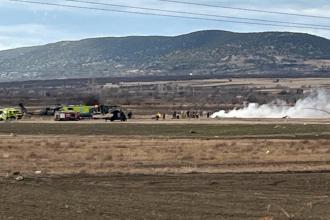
column 10, row 114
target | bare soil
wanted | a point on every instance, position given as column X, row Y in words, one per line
column 175, row 129
column 195, row 196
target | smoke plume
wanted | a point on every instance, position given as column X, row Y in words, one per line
column 315, row 105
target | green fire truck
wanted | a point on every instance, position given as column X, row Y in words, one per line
column 83, row 110
column 10, row 114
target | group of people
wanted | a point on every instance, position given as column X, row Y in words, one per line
column 184, row 115
column 160, row 115
column 187, row 114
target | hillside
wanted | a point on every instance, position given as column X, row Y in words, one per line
column 199, row 53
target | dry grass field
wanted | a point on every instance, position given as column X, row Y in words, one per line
column 160, row 170
column 104, row 155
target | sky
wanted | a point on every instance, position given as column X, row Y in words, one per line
column 23, row 24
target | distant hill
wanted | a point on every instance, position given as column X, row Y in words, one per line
column 218, row 53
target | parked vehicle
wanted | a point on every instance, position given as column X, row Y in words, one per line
column 10, row 114
column 84, row 111
column 67, row 116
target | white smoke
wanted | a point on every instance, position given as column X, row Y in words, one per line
column 315, row 105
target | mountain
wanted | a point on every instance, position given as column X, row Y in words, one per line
column 211, row 52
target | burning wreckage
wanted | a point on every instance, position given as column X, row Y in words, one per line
column 78, row 112
column 315, row 105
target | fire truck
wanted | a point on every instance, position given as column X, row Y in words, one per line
column 10, row 114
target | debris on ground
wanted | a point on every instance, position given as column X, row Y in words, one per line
column 192, row 132
column 19, row 178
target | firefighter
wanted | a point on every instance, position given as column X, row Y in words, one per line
column 158, row 116
column 129, row 115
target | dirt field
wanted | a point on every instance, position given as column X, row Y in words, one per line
column 175, row 129
column 162, row 170
column 193, row 196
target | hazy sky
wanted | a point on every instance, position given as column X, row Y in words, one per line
column 23, row 24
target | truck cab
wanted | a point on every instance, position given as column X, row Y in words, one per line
column 10, row 114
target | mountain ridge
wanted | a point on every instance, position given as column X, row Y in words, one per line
column 211, row 52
